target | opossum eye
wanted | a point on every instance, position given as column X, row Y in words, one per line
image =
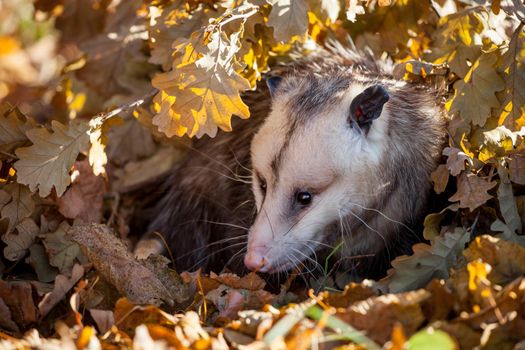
column 304, row 198
column 263, row 186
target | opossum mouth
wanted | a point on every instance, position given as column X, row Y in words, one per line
column 282, row 266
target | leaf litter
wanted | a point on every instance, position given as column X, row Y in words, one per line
column 68, row 183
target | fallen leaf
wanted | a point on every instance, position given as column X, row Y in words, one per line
column 440, row 178
column 122, row 142
column 103, row 318
column 61, row 250
column 432, row 338
column 20, row 207
column 476, row 94
column 142, row 282
column 47, row 163
column 251, row 281
column 62, row 285
column 507, row 201
column 517, row 168
column 197, row 97
column 456, row 160
column 514, row 96
column 507, row 259
column 432, row 222
column 326, row 9
column 472, row 191
column 378, row 315
column 137, row 174
column 427, row 262
column 13, row 127
column 18, row 243
column 39, row 260
column 288, row 19
column 85, row 197
column 18, row 297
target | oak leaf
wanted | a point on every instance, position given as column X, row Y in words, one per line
column 288, row 19
column 514, row 97
column 47, row 163
column 427, row 262
column 517, row 168
column 507, row 259
column 62, row 251
column 61, row 286
column 13, row 127
column 440, row 178
column 475, row 96
column 19, row 207
column 507, row 201
column 456, row 160
column 122, row 146
column 205, row 92
column 472, row 191
column 85, row 197
column 19, row 243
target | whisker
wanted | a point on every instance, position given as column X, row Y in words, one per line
column 236, row 178
column 370, row 228
column 383, row 215
column 209, row 245
column 213, row 253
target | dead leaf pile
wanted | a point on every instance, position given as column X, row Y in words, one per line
column 99, row 100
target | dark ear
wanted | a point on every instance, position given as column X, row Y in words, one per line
column 273, row 83
column 367, row 106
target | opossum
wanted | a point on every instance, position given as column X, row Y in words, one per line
column 335, row 160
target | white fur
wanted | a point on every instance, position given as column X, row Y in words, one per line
column 325, row 157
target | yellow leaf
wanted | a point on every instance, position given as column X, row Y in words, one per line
column 200, row 96
column 475, row 96
column 513, row 113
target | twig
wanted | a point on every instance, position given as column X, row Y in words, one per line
column 97, row 121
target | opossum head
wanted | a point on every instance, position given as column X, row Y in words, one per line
column 315, row 158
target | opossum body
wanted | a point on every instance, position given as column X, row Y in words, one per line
column 340, row 159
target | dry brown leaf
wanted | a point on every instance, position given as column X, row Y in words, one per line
column 507, row 259
column 13, row 127
column 472, row 191
column 18, row 296
column 378, row 315
column 63, row 284
column 129, row 142
column 251, row 281
column 517, row 168
column 84, row 199
column 456, row 160
column 142, row 282
column 440, row 178
column 47, row 163
column 103, row 318
column 61, row 250
column 136, row 174
column 288, row 19
column 353, row 292
column 18, row 243
column 21, row 205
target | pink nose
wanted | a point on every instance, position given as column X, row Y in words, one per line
column 255, row 261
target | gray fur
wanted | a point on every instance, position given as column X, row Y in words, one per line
column 201, row 198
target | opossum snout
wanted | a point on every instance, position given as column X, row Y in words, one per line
column 256, row 261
